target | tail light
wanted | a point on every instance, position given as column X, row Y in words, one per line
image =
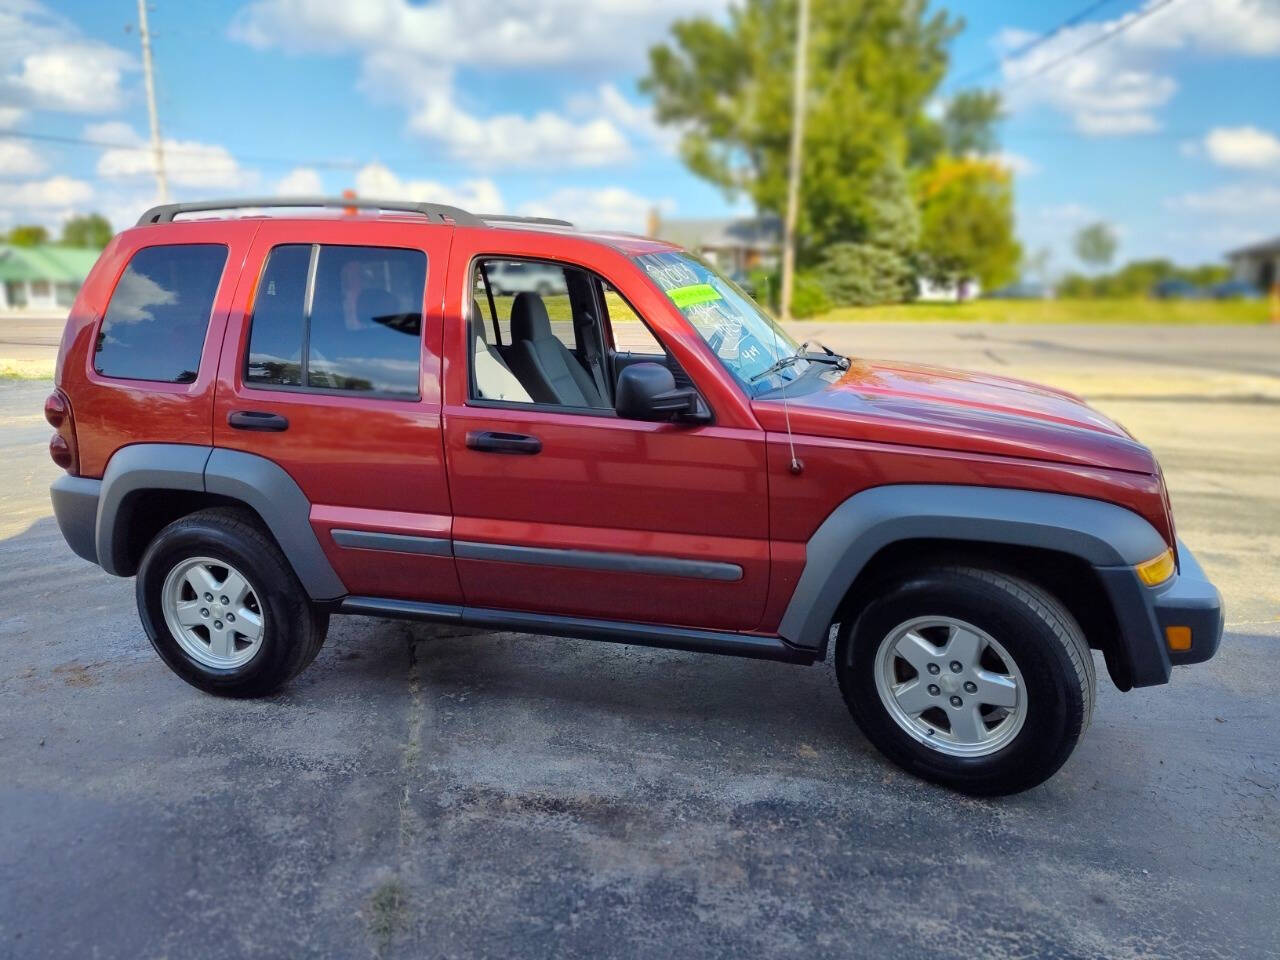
column 62, row 445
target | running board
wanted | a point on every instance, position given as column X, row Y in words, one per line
column 613, row 631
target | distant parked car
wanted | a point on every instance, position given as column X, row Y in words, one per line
column 510, row 277
column 1177, row 290
column 1235, row 290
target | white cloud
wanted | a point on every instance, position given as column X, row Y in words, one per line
column 501, row 140
column 497, row 34
column 378, row 182
column 17, row 159
column 1231, row 200
column 300, row 182
column 11, row 117
column 1066, row 213
column 1243, row 147
column 47, row 63
column 55, row 193
column 1107, row 123
column 1021, row 165
column 409, row 53
column 1116, row 87
column 79, row 78
column 606, row 208
column 112, row 133
column 187, row 163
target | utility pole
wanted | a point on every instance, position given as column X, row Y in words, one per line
column 797, row 146
column 157, row 148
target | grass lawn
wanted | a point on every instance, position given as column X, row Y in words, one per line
column 1061, row 311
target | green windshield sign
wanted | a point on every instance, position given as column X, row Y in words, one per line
column 694, row 293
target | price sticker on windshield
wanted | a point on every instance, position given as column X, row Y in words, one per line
column 693, row 294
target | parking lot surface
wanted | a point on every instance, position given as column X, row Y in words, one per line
column 422, row 793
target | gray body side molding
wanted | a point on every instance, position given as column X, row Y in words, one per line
column 1101, row 533
column 255, row 481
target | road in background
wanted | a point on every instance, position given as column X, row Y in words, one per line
column 418, row 792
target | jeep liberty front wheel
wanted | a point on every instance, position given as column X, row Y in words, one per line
column 223, row 608
column 970, row 678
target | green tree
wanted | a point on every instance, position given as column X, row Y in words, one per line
column 92, row 230
column 966, row 128
column 966, row 215
column 1096, row 244
column 28, row 235
column 873, row 66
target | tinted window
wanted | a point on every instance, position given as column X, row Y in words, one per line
column 156, row 321
column 275, row 343
column 364, row 330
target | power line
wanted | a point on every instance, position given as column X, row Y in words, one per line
column 1019, row 52
column 172, row 149
column 1094, row 42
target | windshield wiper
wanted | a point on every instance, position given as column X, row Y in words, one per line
column 802, row 353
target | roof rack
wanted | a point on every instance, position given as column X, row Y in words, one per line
column 435, row 212
column 532, row 221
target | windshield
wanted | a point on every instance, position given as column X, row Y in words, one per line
column 742, row 336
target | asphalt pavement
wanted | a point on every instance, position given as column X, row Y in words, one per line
column 421, row 793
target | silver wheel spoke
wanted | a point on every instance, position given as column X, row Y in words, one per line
column 248, row 624
column 917, row 651
column 233, row 588
column 964, row 646
column 222, row 643
column 914, row 697
column 995, row 689
column 189, row 613
column 966, row 724
column 201, row 580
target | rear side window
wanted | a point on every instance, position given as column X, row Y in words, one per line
column 156, row 322
column 339, row 318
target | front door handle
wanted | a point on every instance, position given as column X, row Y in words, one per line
column 257, row 420
column 491, row 441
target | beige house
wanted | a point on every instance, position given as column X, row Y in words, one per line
column 1257, row 264
column 733, row 244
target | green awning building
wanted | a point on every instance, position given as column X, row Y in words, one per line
column 45, row 277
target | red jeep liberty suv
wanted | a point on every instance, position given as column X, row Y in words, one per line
column 272, row 419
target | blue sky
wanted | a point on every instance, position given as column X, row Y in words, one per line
column 1169, row 129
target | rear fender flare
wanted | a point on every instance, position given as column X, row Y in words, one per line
column 255, row 481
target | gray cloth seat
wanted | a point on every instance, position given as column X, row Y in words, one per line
column 546, row 367
column 493, row 378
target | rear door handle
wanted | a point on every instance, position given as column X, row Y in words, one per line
column 491, row 441
column 257, row 420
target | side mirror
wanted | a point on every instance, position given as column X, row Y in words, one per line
column 647, row 391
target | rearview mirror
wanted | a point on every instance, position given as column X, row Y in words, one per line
column 647, row 391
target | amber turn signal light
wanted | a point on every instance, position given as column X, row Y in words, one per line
column 1178, row 638
column 1156, row 570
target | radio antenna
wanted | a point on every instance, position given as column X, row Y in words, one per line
column 796, row 466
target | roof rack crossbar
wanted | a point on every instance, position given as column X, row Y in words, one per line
column 435, row 212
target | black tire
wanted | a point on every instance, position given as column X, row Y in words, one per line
column 1044, row 640
column 293, row 628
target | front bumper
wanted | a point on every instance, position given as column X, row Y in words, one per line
column 1144, row 613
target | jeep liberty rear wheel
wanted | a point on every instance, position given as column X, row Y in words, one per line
column 223, row 608
column 970, row 678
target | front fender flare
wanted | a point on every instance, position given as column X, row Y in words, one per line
column 1103, row 534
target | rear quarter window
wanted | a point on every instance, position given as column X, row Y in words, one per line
column 158, row 315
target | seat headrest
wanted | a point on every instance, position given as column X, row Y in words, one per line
column 477, row 322
column 529, row 319
column 377, row 305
